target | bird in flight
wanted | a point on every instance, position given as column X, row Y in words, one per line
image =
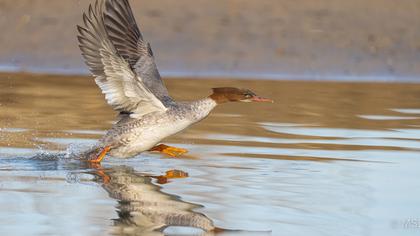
column 124, row 68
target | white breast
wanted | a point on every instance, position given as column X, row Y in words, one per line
column 147, row 136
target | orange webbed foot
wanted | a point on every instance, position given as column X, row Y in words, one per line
column 99, row 171
column 106, row 179
column 168, row 150
column 171, row 174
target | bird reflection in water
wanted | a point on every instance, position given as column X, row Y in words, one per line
column 143, row 208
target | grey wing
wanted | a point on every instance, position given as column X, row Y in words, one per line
column 124, row 90
column 125, row 35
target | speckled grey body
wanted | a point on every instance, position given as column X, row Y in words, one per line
column 131, row 136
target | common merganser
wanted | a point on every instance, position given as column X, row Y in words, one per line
column 124, row 69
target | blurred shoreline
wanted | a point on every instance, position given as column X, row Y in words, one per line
column 305, row 39
column 10, row 69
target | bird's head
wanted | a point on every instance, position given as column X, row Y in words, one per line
column 229, row 94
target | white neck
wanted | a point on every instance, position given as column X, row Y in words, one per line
column 202, row 108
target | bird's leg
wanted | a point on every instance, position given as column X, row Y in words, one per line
column 105, row 178
column 101, row 155
column 168, row 150
column 100, row 172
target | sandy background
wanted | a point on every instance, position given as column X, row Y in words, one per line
column 231, row 37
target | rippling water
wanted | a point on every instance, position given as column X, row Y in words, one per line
column 324, row 159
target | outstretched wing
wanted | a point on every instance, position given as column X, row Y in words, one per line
column 124, row 34
column 124, row 89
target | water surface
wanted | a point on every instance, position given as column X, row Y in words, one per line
column 324, row 159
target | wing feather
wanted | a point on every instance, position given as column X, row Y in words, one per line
column 125, row 35
column 124, row 90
